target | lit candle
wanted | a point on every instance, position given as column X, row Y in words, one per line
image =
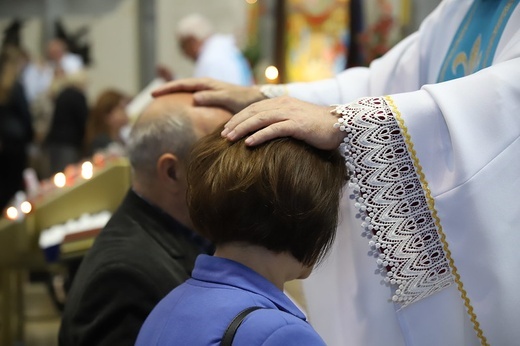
column 60, row 180
column 87, row 170
column 12, row 213
column 26, row 207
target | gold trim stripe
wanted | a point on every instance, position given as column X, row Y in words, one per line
column 431, row 206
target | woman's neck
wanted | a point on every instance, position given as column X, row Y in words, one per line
column 275, row 267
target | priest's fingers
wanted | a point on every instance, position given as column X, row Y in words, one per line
column 251, row 119
column 317, row 131
column 188, row 85
column 285, row 116
column 274, row 109
column 276, row 130
column 255, row 122
column 233, row 97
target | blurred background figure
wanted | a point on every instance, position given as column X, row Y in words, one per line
column 107, row 118
column 64, row 141
column 215, row 55
column 55, row 92
column 16, row 130
column 62, row 60
column 39, row 74
column 36, row 78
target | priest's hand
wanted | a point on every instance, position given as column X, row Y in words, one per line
column 285, row 117
column 210, row 92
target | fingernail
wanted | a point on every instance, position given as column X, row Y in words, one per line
column 224, row 132
column 231, row 135
column 249, row 141
column 198, row 98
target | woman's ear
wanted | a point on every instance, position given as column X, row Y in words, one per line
column 170, row 172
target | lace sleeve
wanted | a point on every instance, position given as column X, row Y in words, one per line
column 273, row 90
column 393, row 200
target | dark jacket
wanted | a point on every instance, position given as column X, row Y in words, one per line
column 69, row 118
column 16, row 132
column 15, row 121
column 140, row 256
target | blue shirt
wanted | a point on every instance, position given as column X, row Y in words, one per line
column 199, row 311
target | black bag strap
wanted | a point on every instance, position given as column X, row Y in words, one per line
column 229, row 335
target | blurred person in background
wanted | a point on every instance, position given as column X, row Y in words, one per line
column 39, row 74
column 106, row 119
column 61, row 59
column 55, row 90
column 64, row 141
column 16, row 130
column 215, row 55
column 148, row 247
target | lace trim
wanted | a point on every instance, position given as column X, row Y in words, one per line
column 431, row 203
column 273, row 90
column 396, row 214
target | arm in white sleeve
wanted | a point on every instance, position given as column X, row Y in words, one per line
column 439, row 170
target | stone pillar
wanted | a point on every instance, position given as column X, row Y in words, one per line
column 147, row 39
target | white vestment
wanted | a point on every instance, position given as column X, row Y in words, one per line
column 465, row 136
column 222, row 60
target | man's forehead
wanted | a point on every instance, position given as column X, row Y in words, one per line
column 179, row 98
column 206, row 119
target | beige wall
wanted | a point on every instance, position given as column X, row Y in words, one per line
column 115, row 50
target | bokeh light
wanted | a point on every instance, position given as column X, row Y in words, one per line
column 271, row 72
column 26, row 207
column 60, row 180
column 11, row 213
column 87, row 170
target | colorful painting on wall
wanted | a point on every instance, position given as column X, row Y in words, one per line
column 316, row 39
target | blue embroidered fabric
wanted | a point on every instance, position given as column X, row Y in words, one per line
column 475, row 43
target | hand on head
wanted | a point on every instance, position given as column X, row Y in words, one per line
column 210, row 92
column 285, row 117
column 268, row 119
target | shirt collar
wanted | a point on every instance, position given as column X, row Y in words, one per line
column 228, row 272
column 175, row 226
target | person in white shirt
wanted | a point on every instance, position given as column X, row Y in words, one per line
column 215, row 55
column 38, row 76
column 61, row 58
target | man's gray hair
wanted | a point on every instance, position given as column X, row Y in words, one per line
column 149, row 139
column 194, row 25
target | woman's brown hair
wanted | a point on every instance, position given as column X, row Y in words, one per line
column 282, row 195
column 97, row 124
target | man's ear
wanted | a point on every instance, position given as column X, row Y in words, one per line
column 170, row 171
